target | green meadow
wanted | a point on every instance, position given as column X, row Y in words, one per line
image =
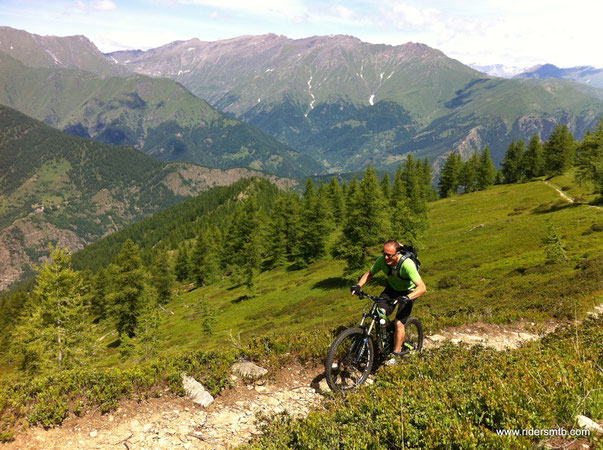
column 482, row 260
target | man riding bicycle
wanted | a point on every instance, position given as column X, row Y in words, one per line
column 403, row 280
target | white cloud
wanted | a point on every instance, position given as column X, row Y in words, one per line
column 103, row 5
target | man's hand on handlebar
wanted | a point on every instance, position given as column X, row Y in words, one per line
column 356, row 290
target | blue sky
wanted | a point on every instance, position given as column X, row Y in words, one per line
column 511, row 32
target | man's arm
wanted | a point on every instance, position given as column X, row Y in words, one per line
column 419, row 290
column 363, row 280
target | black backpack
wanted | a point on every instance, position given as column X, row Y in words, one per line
column 407, row 251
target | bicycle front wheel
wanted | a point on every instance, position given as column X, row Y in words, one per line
column 349, row 360
column 413, row 334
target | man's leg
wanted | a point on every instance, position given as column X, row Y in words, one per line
column 401, row 317
column 398, row 335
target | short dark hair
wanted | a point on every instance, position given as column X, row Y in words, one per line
column 392, row 242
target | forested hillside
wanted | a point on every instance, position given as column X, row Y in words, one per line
column 68, row 190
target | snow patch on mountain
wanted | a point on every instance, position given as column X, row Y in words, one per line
column 371, row 99
column 313, row 98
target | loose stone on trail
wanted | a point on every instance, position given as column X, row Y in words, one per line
column 249, row 369
column 196, row 392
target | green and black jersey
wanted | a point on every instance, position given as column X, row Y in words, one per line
column 408, row 278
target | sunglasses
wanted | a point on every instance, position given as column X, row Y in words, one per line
column 387, row 255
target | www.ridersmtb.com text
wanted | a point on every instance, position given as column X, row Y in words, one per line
column 538, row 432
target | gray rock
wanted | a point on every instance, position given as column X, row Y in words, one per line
column 249, row 369
column 196, row 392
column 589, row 424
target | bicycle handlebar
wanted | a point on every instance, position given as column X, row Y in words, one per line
column 361, row 294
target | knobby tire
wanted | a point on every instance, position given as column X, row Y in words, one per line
column 346, row 368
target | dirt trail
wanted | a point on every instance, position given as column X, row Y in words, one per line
column 172, row 422
column 566, row 197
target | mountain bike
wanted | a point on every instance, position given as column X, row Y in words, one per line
column 355, row 350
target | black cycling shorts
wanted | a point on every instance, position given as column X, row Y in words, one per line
column 390, row 294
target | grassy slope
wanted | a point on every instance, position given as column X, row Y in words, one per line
column 496, row 272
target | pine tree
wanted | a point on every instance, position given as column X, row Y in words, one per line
column 469, row 173
column 147, row 335
column 415, row 198
column 486, row 174
column 366, row 223
column 54, row 332
column 386, row 187
column 589, row 163
column 533, row 159
column 559, row 151
column 512, row 167
column 428, row 193
column 408, row 205
column 98, row 301
column 449, row 177
column 243, row 249
column 204, row 259
column 182, row 269
column 315, row 224
column 336, row 197
column 128, row 289
column 162, row 278
column 555, row 252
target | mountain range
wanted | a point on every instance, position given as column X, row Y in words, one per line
column 91, row 96
column 588, row 75
column 348, row 103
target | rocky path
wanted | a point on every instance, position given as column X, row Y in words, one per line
column 178, row 423
column 230, row 421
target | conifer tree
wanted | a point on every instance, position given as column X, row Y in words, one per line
column 486, row 174
column 555, row 252
column 512, row 165
column 204, row 259
column 336, row 197
column 449, row 177
column 386, row 187
column 366, row 222
column 559, row 151
column 54, row 331
column 589, row 163
column 408, row 206
column 147, row 335
column 399, row 189
column 243, row 249
column 98, row 301
column 128, row 289
column 350, row 193
column 469, row 173
column 283, row 233
column 533, row 159
column 428, row 193
column 415, row 197
column 182, row 269
column 315, row 224
column 162, row 278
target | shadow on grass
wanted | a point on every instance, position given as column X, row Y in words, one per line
column 332, row 283
column 554, row 208
column 240, row 299
column 116, row 343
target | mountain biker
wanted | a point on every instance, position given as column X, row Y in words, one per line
column 403, row 285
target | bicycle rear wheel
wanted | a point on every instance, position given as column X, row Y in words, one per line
column 413, row 335
column 349, row 360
